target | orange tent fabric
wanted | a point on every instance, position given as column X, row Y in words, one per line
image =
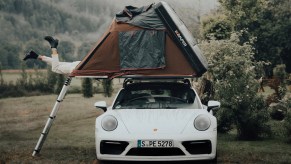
column 104, row 58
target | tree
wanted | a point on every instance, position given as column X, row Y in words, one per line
column 1, row 76
column 216, row 26
column 107, row 87
column 24, row 23
column 60, row 82
column 51, row 80
column 37, row 45
column 87, row 87
column 269, row 21
column 9, row 56
column 84, row 49
column 282, row 17
column 66, row 50
column 232, row 69
column 287, row 122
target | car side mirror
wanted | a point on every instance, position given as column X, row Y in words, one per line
column 101, row 104
column 213, row 105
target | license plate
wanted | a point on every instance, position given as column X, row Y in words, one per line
column 155, row 143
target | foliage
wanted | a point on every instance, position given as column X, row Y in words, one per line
column 285, row 104
column 269, row 21
column 24, row 23
column 53, row 18
column 225, row 120
column 279, row 72
column 11, row 90
column 232, row 69
column 9, row 55
column 1, row 75
column 87, row 87
column 278, row 111
column 273, row 98
column 281, row 75
column 287, row 126
column 59, row 83
column 216, row 27
column 107, row 87
column 84, row 50
column 206, row 91
column 66, row 50
column 28, row 84
column 51, row 80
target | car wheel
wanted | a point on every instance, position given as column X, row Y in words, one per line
column 213, row 161
column 100, row 162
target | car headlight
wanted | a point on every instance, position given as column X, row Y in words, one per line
column 202, row 122
column 109, row 123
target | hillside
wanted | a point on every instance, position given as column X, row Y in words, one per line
column 77, row 24
column 24, row 23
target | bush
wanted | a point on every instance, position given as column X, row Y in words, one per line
column 273, row 98
column 216, row 27
column 74, row 89
column 232, row 69
column 224, row 120
column 87, row 87
column 51, row 80
column 279, row 71
column 277, row 111
column 287, row 121
column 107, row 87
column 252, row 119
column 287, row 126
column 59, row 83
column 11, row 90
column 31, row 84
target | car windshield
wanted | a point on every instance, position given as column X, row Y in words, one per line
column 157, row 96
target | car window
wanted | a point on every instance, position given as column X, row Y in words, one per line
column 157, row 97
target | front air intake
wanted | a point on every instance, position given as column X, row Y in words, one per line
column 112, row 147
column 198, row 147
column 155, row 152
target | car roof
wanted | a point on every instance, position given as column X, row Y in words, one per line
column 153, row 83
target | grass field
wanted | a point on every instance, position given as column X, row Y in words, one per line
column 71, row 139
column 13, row 75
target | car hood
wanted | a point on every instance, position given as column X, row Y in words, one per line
column 139, row 121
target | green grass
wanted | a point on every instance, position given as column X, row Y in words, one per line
column 231, row 150
column 71, row 138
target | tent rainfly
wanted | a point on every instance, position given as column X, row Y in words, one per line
column 146, row 41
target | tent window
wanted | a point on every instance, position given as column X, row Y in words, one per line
column 142, row 49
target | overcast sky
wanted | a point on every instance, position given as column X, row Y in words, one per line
column 199, row 5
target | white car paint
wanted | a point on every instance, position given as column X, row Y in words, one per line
column 156, row 124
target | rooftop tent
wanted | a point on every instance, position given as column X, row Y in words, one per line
column 146, row 41
column 149, row 41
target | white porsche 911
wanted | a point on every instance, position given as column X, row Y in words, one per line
column 156, row 120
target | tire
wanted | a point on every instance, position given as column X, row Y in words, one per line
column 97, row 161
column 213, row 161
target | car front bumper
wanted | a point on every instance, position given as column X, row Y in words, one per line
column 186, row 147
